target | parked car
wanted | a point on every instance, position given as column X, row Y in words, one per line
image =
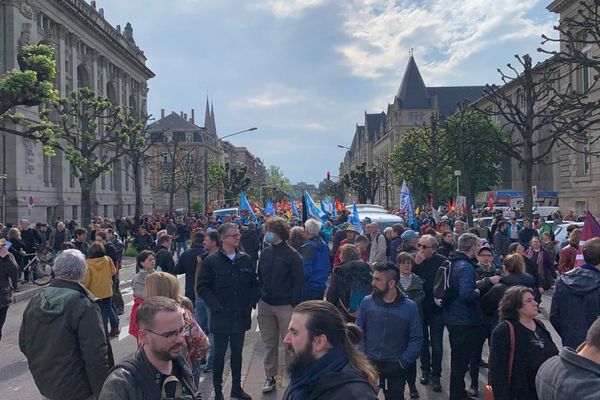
column 560, row 233
column 367, row 208
column 226, row 212
column 383, row 219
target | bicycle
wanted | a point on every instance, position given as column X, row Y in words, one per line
column 39, row 268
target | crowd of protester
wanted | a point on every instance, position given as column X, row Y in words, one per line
column 357, row 309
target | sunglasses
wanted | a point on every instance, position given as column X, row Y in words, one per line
column 423, row 246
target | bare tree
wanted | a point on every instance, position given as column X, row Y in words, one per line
column 191, row 175
column 577, row 34
column 538, row 110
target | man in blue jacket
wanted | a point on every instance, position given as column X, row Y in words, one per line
column 462, row 314
column 392, row 330
column 317, row 265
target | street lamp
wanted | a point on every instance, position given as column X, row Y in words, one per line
column 343, row 147
column 457, row 174
column 206, row 165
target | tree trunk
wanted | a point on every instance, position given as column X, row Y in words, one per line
column 86, row 203
column 433, row 186
column 189, row 199
column 527, row 183
column 171, row 201
column 137, row 185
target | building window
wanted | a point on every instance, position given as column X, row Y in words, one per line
column 127, row 176
column 103, row 180
column 105, row 211
column 583, row 156
column 129, row 209
column 49, row 214
column 586, row 74
column 75, row 213
column 47, row 170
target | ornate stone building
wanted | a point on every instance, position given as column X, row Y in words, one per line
column 89, row 53
column 412, row 106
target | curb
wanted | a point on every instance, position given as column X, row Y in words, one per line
column 29, row 293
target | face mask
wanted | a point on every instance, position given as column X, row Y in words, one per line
column 269, row 237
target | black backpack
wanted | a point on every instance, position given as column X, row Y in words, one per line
column 443, row 291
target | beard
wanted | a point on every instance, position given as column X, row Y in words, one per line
column 299, row 361
column 168, row 354
column 380, row 293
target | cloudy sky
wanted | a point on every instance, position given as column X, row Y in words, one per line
column 305, row 71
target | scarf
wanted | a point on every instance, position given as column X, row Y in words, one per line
column 334, row 361
column 538, row 257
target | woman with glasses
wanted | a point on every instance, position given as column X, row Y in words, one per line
column 412, row 285
column 519, row 333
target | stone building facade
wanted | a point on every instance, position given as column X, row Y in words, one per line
column 412, row 107
column 199, row 143
column 89, row 53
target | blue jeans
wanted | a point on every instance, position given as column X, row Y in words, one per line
column 433, row 333
column 203, row 319
column 179, row 246
column 106, row 306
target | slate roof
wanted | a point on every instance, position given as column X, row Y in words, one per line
column 375, row 124
column 413, row 93
column 358, row 136
column 450, row 96
column 171, row 122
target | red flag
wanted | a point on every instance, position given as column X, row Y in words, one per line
column 491, row 201
column 591, row 229
column 339, row 206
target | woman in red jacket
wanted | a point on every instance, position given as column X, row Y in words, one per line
column 568, row 254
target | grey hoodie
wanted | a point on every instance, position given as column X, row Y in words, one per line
column 568, row 376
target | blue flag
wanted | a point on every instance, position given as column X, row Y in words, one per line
column 406, row 203
column 269, row 209
column 355, row 219
column 313, row 210
column 295, row 212
column 245, row 205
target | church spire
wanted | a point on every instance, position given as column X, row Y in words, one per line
column 212, row 119
column 412, row 93
column 207, row 119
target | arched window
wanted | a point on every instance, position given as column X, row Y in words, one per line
column 111, row 93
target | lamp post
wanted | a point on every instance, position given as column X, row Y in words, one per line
column 343, row 147
column 206, row 165
column 457, row 174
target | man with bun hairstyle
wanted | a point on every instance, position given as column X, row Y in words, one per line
column 324, row 363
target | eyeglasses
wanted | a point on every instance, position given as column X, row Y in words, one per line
column 234, row 235
column 168, row 335
column 423, row 246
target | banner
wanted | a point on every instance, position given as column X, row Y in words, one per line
column 591, row 229
column 312, row 209
column 355, row 220
column 269, row 209
column 406, row 203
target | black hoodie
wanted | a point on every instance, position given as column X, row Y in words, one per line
column 187, row 264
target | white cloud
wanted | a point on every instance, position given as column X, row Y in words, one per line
column 315, row 126
column 444, row 33
column 289, row 8
column 272, row 97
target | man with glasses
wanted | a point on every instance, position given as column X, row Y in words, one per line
column 427, row 264
column 158, row 366
column 228, row 284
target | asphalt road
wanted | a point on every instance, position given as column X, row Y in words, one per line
column 17, row 383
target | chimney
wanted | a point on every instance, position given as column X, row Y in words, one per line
column 162, row 113
column 101, row 11
column 93, row 4
column 185, row 116
column 181, row 114
column 193, row 117
column 119, row 28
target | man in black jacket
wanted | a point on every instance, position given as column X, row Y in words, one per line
column 281, row 279
column 187, row 263
column 427, row 264
column 152, row 369
column 164, row 258
column 143, row 240
column 228, row 284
